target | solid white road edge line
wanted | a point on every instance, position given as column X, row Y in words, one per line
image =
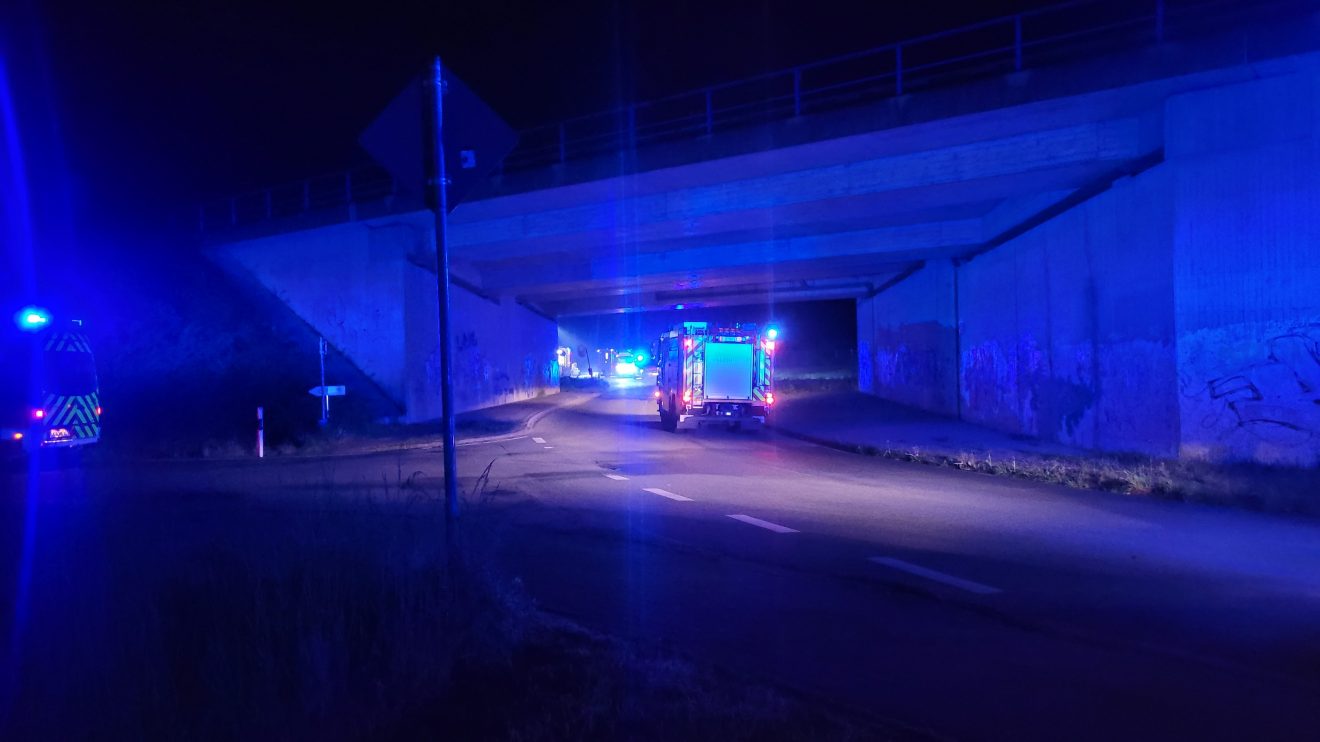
column 617, row 477
column 930, row 574
column 667, row 493
column 538, row 440
column 477, row 442
column 767, row 525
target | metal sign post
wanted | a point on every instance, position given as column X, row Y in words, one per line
column 261, row 433
column 440, row 204
column 582, row 351
column 409, row 138
column 325, row 398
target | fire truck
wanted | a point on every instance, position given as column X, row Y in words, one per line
column 49, row 396
column 715, row 375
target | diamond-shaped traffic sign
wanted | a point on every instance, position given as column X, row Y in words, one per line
column 476, row 138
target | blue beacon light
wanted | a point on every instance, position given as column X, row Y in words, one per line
column 31, row 319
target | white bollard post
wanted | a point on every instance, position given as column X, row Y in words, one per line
column 261, row 433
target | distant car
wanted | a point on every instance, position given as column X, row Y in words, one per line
column 628, row 364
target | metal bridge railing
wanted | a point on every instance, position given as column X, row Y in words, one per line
column 1066, row 31
column 311, row 195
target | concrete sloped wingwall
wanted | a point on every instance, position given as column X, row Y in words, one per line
column 359, row 284
column 1247, row 254
column 334, row 278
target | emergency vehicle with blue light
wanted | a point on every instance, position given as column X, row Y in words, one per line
column 49, row 397
column 715, row 375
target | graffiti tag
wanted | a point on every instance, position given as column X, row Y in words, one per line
column 1277, row 399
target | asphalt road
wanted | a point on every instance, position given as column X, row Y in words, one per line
column 964, row 605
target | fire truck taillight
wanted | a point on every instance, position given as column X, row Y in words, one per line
column 769, row 346
column 769, row 398
column 687, row 343
column 657, row 394
column 18, row 436
column 98, row 410
column 687, row 396
column 38, row 414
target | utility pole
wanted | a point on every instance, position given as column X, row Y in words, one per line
column 440, row 204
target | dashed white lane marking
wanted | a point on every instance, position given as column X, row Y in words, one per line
column 616, row 477
column 667, row 493
column 538, row 440
column 930, row 574
column 767, row 525
column 547, row 446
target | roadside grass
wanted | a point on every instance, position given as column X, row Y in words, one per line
column 1262, row 488
column 343, row 618
column 584, row 383
column 936, row 441
column 337, row 439
column 816, row 375
column 378, row 437
column 802, row 385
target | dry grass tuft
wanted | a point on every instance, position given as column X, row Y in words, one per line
column 1272, row 489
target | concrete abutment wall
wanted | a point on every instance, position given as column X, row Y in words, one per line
column 1175, row 314
column 1246, row 250
column 1066, row 331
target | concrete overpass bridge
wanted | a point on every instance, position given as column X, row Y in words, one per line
column 1113, row 251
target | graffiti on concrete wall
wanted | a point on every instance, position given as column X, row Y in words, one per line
column 1019, row 389
column 988, row 378
column 482, row 379
column 913, row 364
column 1275, row 400
column 530, row 373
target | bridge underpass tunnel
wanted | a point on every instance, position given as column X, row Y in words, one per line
column 818, row 339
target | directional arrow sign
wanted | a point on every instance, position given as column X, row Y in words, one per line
column 327, row 391
column 476, row 138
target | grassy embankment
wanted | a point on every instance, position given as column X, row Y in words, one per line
column 224, row 618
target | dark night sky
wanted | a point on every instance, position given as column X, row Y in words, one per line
column 159, row 104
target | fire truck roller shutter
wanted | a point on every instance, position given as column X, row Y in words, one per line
column 728, row 371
